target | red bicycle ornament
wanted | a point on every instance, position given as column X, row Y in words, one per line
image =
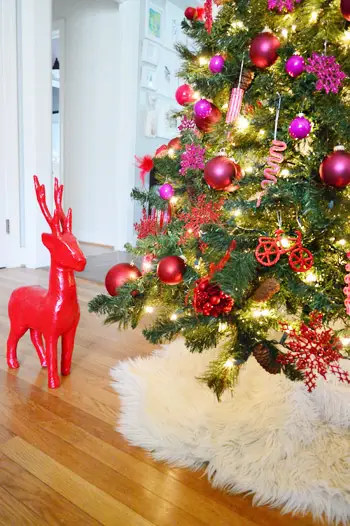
column 270, row 249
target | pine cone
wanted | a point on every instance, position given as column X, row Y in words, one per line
column 265, row 358
column 266, row 290
column 247, row 79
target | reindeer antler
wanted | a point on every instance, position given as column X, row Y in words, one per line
column 53, row 221
column 65, row 220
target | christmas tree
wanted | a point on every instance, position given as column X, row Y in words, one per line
column 246, row 240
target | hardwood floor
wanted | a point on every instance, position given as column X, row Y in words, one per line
column 62, row 462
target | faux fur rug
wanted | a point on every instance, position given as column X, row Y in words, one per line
column 272, row 438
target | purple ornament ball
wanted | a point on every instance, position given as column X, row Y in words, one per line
column 299, row 128
column 295, row 65
column 202, row 108
column 166, row 191
column 216, row 64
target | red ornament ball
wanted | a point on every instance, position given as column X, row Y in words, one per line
column 200, row 15
column 190, row 13
column 335, row 169
column 118, row 275
column 184, row 95
column 263, row 49
column 207, row 124
column 210, row 300
column 220, row 172
column 171, row 269
column 175, row 144
column 345, row 9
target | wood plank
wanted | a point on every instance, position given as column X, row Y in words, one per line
column 14, row 513
column 93, row 501
column 40, row 498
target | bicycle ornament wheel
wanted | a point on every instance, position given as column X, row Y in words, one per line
column 301, row 260
column 267, row 253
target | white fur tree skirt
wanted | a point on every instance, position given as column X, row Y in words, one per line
column 271, row 437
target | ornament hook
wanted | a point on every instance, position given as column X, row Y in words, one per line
column 279, row 102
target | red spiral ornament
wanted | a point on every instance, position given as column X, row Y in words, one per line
column 347, row 288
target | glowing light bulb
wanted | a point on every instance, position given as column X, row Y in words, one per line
column 174, row 200
column 294, row 27
column 314, row 16
column 285, row 242
column 345, row 341
column 249, row 169
column 265, row 312
column 149, row 309
column 222, row 326
column 341, row 242
column 173, row 317
column 310, row 277
column 346, row 37
column 189, row 230
column 284, row 33
column 285, row 172
column 203, row 61
column 262, row 132
column 171, row 153
column 147, row 265
column 242, row 123
column 196, row 95
column 225, row 106
column 237, row 212
column 229, row 363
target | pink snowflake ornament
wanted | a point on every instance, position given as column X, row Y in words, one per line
column 327, row 71
column 280, row 5
column 192, row 158
column 187, row 124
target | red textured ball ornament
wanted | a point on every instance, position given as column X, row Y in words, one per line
column 184, row 95
column 263, row 50
column 210, row 300
column 118, row 275
column 335, row 169
column 200, row 15
column 207, row 124
column 175, row 144
column 345, row 9
column 190, row 13
column 171, row 269
column 220, row 172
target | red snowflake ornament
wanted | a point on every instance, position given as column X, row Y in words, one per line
column 314, row 350
column 202, row 214
column 149, row 225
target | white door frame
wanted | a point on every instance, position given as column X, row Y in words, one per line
column 58, row 31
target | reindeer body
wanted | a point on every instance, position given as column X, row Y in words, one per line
column 53, row 313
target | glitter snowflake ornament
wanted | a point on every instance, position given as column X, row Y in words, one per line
column 187, row 124
column 203, row 213
column 192, row 158
column 327, row 71
column 280, row 5
column 314, row 351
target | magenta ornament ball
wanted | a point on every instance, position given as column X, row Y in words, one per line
column 263, row 49
column 220, row 172
column 216, row 64
column 299, row 128
column 335, row 169
column 166, row 191
column 202, row 108
column 295, row 65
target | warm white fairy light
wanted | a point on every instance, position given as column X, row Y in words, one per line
column 257, row 313
column 224, row 106
column 174, row 200
column 147, row 265
column 237, row 212
column 171, row 153
column 285, row 242
column 173, row 317
column 229, row 363
column 222, row 326
column 310, row 277
column 242, row 123
column 284, row 33
column 248, row 169
column 196, row 95
column 345, row 341
column 341, row 242
column 203, row 61
column 149, row 309
column 294, row 27
column 346, row 37
column 262, row 132
column 285, row 172
column 314, row 16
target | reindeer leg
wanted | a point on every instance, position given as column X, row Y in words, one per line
column 37, row 341
column 51, row 357
column 15, row 334
column 67, row 349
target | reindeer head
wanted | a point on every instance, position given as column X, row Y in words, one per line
column 63, row 246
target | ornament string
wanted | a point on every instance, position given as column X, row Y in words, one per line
column 275, row 159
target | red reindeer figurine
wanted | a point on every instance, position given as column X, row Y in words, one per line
column 51, row 313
